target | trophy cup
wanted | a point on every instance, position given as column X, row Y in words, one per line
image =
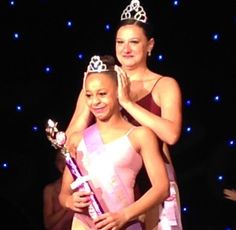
column 58, row 139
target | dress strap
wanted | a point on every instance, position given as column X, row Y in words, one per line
column 130, row 130
column 156, row 83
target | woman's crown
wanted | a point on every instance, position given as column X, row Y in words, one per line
column 134, row 11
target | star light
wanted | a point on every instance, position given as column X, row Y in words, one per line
column 69, row 23
column 16, row 36
column 19, row 108
column 107, row 27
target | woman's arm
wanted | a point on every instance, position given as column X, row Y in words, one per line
column 81, row 116
column 167, row 95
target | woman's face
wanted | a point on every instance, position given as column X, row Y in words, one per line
column 101, row 95
column 132, row 46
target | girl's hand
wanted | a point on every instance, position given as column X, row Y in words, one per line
column 110, row 221
column 80, row 200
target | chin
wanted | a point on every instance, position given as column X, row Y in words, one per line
column 101, row 117
column 128, row 64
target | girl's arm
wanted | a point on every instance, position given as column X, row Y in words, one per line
column 75, row 200
column 156, row 170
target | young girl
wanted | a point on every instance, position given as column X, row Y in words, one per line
column 114, row 163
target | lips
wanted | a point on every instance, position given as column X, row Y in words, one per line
column 98, row 110
column 127, row 56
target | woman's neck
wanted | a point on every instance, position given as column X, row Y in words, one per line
column 137, row 74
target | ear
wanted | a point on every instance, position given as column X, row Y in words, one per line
column 151, row 44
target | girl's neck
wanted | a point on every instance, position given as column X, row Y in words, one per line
column 115, row 122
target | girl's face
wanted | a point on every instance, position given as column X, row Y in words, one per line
column 132, row 46
column 101, row 94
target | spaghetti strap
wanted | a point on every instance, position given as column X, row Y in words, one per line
column 156, row 83
column 130, row 130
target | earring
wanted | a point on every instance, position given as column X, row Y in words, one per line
column 149, row 53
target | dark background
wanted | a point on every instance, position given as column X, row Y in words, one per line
column 203, row 67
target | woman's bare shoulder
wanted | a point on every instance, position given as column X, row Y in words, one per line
column 165, row 81
column 162, row 78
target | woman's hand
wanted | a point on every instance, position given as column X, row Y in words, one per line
column 123, row 86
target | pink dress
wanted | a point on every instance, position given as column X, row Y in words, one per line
column 113, row 173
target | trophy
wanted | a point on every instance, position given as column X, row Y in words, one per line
column 58, row 140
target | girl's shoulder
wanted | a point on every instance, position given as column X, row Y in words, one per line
column 141, row 132
column 140, row 136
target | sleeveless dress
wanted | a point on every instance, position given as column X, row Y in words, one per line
column 119, row 162
column 170, row 213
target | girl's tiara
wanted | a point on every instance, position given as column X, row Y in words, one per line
column 96, row 65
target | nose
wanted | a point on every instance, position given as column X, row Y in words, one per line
column 126, row 48
column 95, row 100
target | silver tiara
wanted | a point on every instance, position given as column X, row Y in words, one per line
column 96, row 65
column 134, row 11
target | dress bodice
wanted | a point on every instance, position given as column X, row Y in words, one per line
column 119, row 158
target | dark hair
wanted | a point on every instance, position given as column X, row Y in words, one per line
column 147, row 28
column 109, row 61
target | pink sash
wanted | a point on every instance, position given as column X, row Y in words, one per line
column 114, row 192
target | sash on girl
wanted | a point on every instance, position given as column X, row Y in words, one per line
column 106, row 181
